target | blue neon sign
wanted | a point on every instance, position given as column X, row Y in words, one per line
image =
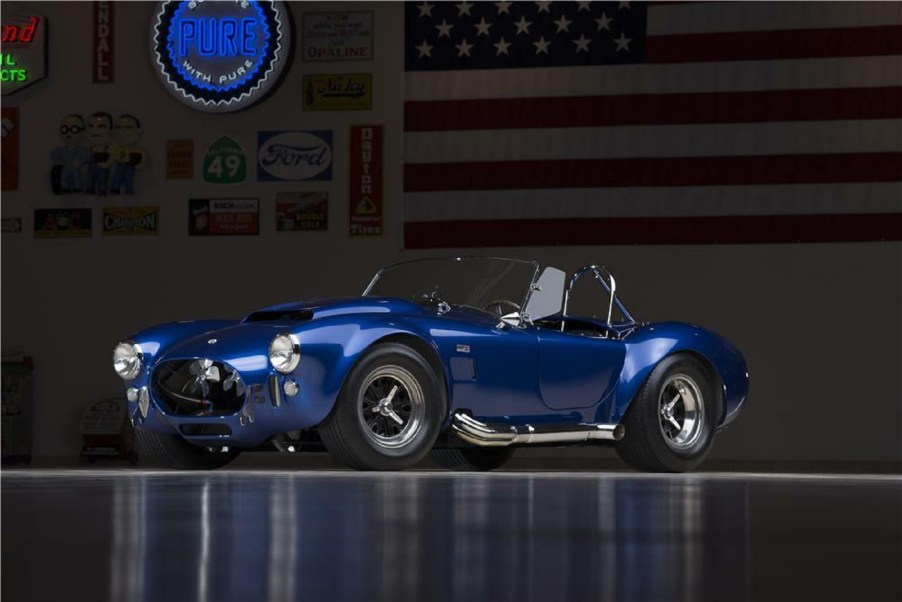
column 221, row 55
column 217, row 37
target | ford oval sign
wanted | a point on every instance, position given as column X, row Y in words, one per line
column 294, row 155
column 220, row 56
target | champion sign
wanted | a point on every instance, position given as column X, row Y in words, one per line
column 130, row 220
column 294, row 156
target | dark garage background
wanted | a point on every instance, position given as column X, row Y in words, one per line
column 820, row 324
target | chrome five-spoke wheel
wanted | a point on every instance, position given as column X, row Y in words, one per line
column 391, row 408
column 389, row 411
column 681, row 409
column 671, row 421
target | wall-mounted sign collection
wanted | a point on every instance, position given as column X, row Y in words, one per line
column 215, row 57
column 23, row 60
column 220, row 56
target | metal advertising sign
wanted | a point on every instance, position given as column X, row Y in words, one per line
column 23, row 60
column 9, row 154
column 220, row 56
column 122, row 221
column 11, row 225
column 302, row 211
column 338, row 36
column 224, row 217
column 62, row 223
column 103, row 66
column 180, row 159
column 338, row 92
column 224, row 162
column 294, row 156
column 365, row 197
column 104, row 417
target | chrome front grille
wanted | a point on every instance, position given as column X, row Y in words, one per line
column 199, row 387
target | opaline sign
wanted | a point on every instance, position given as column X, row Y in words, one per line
column 220, row 55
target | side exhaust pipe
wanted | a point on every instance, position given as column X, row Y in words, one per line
column 472, row 431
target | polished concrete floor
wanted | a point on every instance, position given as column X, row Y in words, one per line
column 330, row 535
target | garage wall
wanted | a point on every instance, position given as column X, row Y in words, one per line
column 821, row 325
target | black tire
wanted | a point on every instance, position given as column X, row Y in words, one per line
column 354, row 442
column 472, row 458
column 171, row 451
column 645, row 446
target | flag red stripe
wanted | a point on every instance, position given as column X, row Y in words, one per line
column 654, row 230
column 670, row 171
column 765, row 45
column 654, row 109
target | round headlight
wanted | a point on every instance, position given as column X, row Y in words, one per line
column 285, row 352
column 127, row 360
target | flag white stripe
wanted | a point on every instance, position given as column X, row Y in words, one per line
column 707, row 140
column 790, row 199
column 725, row 17
column 797, row 74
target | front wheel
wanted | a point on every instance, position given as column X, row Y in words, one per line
column 389, row 411
column 670, row 424
column 174, row 452
column 472, row 458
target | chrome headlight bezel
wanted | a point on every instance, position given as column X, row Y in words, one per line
column 133, row 356
column 284, row 352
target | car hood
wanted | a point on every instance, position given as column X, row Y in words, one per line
column 253, row 334
column 235, row 344
column 300, row 311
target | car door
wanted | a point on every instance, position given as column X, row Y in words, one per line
column 576, row 370
column 493, row 368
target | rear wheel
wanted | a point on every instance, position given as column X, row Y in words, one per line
column 670, row 424
column 472, row 458
column 174, row 452
column 388, row 413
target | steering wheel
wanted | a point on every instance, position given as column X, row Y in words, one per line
column 497, row 306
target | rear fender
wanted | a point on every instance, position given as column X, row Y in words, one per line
column 648, row 345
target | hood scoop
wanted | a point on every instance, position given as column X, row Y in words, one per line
column 280, row 315
column 327, row 308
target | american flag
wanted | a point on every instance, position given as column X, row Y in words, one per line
column 544, row 123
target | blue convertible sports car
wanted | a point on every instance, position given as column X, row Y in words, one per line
column 466, row 358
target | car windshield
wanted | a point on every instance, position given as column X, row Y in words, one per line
column 475, row 282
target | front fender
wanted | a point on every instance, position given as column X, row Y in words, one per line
column 648, row 345
column 330, row 348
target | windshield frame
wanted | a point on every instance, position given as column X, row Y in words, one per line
column 537, row 270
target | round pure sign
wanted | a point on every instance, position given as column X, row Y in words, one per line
column 220, row 56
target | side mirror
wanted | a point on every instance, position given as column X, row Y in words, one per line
column 514, row 320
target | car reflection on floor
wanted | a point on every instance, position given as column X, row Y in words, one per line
column 283, row 536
